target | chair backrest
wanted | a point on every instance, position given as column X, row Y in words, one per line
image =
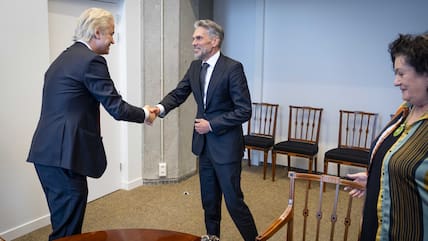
column 263, row 120
column 304, row 124
column 321, row 210
column 356, row 129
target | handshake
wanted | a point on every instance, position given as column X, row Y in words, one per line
column 153, row 111
column 201, row 126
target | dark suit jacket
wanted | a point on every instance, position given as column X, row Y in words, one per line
column 68, row 133
column 228, row 105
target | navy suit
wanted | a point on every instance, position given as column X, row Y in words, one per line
column 228, row 106
column 67, row 144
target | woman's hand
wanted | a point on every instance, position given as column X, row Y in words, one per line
column 361, row 178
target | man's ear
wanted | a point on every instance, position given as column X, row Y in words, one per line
column 97, row 33
column 215, row 41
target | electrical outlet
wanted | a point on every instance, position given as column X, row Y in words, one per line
column 162, row 169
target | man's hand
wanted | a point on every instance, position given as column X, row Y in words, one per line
column 202, row 126
column 155, row 110
column 152, row 114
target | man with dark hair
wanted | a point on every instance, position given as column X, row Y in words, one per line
column 219, row 86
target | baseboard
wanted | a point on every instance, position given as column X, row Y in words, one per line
column 132, row 184
column 25, row 228
column 168, row 180
column 279, row 165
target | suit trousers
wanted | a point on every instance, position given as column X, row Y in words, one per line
column 224, row 179
column 67, row 194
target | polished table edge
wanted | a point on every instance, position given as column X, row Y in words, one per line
column 132, row 234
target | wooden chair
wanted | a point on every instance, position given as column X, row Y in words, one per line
column 336, row 209
column 261, row 131
column 304, row 124
column 356, row 133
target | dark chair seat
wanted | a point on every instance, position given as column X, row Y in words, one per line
column 347, row 154
column 261, row 131
column 259, row 141
column 308, row 149
column 356, row 133
column 304, row 124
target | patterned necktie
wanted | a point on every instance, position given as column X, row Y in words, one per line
column 202, row 78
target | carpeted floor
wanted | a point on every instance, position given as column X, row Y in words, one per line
column 178, row 207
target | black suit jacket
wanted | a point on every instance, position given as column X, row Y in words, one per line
column 68, row 132
column 228, row 106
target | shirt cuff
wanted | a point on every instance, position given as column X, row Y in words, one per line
column 146, row 114
column 161, row 110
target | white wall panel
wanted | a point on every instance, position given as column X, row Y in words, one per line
column 329, row 54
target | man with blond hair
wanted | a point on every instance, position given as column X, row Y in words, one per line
column 67, row 144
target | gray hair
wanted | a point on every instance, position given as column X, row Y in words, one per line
column 91, row 20
column 214, row 30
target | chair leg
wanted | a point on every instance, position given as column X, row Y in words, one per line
column 265, row 164
column 325, row 167
column 310, row 170
column 316, row 166
column 249, row 156
column 325, row 171
column 289, row 161
column 338, row 169
column 273, row 165
column 290, row 230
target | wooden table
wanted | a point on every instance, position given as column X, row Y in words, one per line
column 132, row 235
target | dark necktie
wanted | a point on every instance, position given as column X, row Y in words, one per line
column 202, row 78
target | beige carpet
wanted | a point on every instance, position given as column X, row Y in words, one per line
column 178, row 207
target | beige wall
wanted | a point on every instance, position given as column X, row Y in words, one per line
column 24, row 56
column 166, row 52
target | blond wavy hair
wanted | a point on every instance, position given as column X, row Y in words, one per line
column 91, row 20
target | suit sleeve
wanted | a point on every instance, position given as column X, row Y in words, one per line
column 98, row 82
column 241, row 102
column 178, row 95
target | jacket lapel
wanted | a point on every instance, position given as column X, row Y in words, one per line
column 196, row 81
column 219, row 68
